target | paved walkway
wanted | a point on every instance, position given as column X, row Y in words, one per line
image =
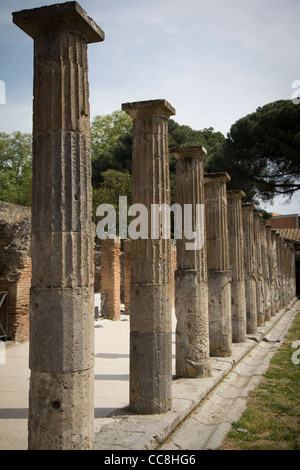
column 115, row 427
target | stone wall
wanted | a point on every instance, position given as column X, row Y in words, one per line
column 15, row 268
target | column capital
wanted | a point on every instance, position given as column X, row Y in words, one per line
column 248, row 206
column 212, row 177
column 235, row 193
column 67, row 16
column 159, row 107
column 196, row 151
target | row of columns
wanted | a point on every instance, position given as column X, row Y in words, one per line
column 239, row 277
column 61, row 405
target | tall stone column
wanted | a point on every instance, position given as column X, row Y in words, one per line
column 275, row 267
column 250, row 267
column 218, row 264
column 150, row 292
column 271, row 262
column 191, row 290
column 265, row 270
column 259, row 271
column 279, row 270
column 61, row 358
column 236, row 255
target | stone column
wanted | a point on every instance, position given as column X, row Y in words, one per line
column 191, row 291
column 250, row 267
column 61, row 358
column 275, row 267
column 265, row 270
column 218, row 264
column 150, row 292
column 279, row 270
column 271, row 261
column 259, row 271
column 236, row 255
column 111, row 276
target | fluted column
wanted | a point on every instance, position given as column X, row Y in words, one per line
column 265, row 270
column 150, row 292
column 275, row 270
column 250, row 267
column 259, row 270
column 218, row 263
column 191, row 290
column 279, row 270
column 271, row 265
column 236, row 256
column 61, row 406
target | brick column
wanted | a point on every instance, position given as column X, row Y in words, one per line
column 259, row 271
column 191, row 291
column 61, row 405
column 218, row 263
column 111, row 276
column 236, row 255
column 127, row 263
column 150, row 293
column 250, row 267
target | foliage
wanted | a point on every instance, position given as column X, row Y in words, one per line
column 262, row 151
column 114, row 184
column 15, row 166
column 111, row 142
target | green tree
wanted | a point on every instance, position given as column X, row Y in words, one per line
column 15, row 168
column 111, row 142
column 262, row 151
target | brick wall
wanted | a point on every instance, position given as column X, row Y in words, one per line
column 15, row 268
column 111, row 276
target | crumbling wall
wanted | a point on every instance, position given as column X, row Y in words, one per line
column 15, row 267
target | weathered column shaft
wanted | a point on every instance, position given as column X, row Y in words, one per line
column 275, row 268
column 250, row 267
column 150, row 293
column 259, row 271
column 218, row 264
column 61, row 406
column 236, row 255
column 191, row 290
column 265, row 270
column 271, row 263
column 111, row 276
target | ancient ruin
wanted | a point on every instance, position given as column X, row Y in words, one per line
column 218, row 264
column 191, row 290
column 61, row 406
column 150, row 283
column 223, row 288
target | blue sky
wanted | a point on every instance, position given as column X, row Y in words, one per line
column 214, row 61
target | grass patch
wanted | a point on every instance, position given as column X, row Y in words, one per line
column 272, row 418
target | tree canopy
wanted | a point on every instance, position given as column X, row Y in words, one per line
column 15, row 168
column 262, row 151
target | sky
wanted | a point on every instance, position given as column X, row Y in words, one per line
column 215, row 61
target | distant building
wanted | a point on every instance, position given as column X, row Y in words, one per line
column 285, row 221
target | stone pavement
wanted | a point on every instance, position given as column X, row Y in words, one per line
column 222, row 397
